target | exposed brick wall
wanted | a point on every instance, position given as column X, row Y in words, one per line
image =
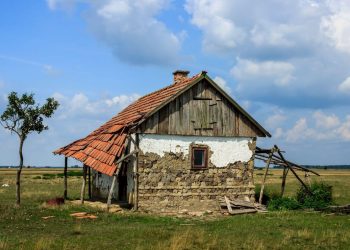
column 168, row 184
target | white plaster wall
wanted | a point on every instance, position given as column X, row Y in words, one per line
column 104, row 182
column 225, row 149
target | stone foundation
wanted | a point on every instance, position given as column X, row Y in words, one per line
column 168, row 184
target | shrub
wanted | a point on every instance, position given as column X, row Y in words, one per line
column 71, row 173
column 320, row 196
column 267, row 196
column 283, row 203
column 49, row 176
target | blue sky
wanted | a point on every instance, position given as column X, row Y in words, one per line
column 289, row 68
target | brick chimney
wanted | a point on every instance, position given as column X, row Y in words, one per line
column 180, row 75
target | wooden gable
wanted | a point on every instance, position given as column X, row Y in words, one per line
column 202, row 110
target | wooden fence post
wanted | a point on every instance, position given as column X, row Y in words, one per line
column 65, row 181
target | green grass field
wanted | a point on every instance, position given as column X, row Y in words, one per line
column 24, row 228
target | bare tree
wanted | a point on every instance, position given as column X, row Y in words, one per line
column 22, row 116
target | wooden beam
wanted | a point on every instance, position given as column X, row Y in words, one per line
column 89, row 183
column 295, row 174
column 228, row 204
column 127, row 156
column 109, row 200
column 82, row 193
column 136, row 174
column 115, row 175
column 264, row 178
column 65, row 181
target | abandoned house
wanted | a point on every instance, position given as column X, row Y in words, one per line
column 182, row 147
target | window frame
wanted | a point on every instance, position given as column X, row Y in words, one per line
column 201, row 148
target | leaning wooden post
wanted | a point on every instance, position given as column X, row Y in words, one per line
column 65, row 193
column 89, row 182
column 307, row 188
column 136, row 173
column 264, row 178
column 115, row 175
column 284, row 177
column 82, row 194
column 109, row 199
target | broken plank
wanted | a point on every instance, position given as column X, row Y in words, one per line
column 228, row 204
column 243, row 211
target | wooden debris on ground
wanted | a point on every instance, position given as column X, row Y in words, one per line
column 114, row 208
column 83, row 215
column 345, row 209
column 235, row 207
column 48, row 217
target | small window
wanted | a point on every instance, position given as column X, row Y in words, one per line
column 199, row 157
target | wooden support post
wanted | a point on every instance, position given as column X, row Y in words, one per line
column 65, row 181
column 89, row 183
column 109, row 200
column 115, row 175
column 284, row 178
column 264, row 178
column 136, row 174
column 295, row 174
column 82, row 193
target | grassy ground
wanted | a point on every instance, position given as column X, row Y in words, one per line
column 24, row 228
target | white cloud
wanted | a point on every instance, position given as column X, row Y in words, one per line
column 276, row 72
column 132, row 30
column 336, row 26
column 79, row 105
column 275, row 120
column 344, row 129
column 325, row 121
column 278, row 133
column 345, row 86
column 219, row 30
column 122, row 100
column 271, row 34
column 222, row 83
column 299, row 131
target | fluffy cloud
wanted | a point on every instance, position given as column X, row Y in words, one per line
column 345, row 86
column 319, row 126
column 336, row 25
column 220, row 31
column 275, row 120
column 222, row 83
column 297, row 49
column 80, row 106
column 344, row 129
column 325, row 121
column 131, row 29
column 275, row 72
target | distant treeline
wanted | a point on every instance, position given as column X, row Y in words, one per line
column 75, row 166
column 321, row 166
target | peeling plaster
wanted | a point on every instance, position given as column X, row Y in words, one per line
column 225, row 150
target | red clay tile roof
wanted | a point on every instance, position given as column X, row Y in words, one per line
column 100, row 149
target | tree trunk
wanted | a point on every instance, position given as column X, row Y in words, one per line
column 19, row 170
